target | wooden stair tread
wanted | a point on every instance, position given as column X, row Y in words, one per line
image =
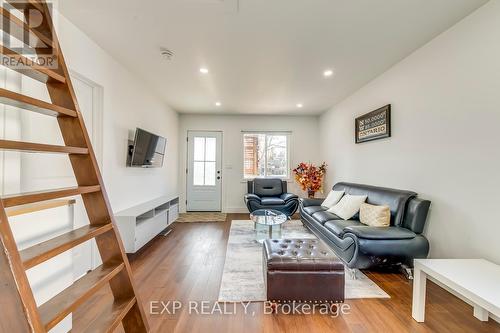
column 19, row 29
column 110, row 316
column 39, row 206
column 32, row 104
column 29, row 68
column 37, row 147
column 44, row 251
column 31, row 197
column 57, row 308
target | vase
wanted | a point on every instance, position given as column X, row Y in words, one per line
column 310, row 194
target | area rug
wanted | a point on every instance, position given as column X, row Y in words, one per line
column 201, row 217
column 243, row 280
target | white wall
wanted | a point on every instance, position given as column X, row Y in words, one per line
column 445, row 143
column 303, row 148
column 128, row 104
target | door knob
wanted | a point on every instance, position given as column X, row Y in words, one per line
column 218, row 177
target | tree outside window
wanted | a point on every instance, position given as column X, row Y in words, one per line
column 265, row 155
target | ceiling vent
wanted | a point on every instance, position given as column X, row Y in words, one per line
column 166, row 53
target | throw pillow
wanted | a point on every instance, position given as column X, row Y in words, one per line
column 375, row 216
column 348, row 206
column 332, row 198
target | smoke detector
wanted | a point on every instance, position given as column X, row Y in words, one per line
column 166, row 53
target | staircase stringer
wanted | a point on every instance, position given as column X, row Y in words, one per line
column 14, row 278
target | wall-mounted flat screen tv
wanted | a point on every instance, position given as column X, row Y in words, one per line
column 148, row 150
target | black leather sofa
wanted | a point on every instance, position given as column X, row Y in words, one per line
column 362, row 246
column 270, row 193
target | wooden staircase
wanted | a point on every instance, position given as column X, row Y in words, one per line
column 16, row 296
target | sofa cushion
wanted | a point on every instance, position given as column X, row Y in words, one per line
column 267, row 187
column 395, row 199
column 375, row 216
column 337, row 226
column 332, row 198
column 324, row 216
column 380, row 233
column 314, row 223
column 348, row 206
column 313, row 209
column 271, row 201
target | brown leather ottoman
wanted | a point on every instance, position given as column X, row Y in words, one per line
column 302, row 270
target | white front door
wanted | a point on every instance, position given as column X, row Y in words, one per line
column 204, row 173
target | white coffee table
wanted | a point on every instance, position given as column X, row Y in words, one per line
column 477, row 280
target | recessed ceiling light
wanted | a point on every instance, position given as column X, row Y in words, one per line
column 204, row 70
column 217, row 104
column 328, row 73
column 299, row 105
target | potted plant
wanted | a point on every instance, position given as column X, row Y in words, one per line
column 310, row 177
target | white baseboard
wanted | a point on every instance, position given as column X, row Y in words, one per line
column 454, row 293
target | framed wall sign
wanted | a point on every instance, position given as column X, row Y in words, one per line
column 374, row 125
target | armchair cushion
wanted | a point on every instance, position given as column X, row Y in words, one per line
column 269, row 201
column 381, row 233
column 268, row 187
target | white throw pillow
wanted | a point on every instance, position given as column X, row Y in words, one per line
column 348, row 206
column 332, row 198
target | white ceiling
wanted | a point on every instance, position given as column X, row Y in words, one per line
column 263, row 56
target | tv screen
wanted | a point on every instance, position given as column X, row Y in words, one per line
column 148, row 150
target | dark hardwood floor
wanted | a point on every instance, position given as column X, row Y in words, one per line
column 187, row 266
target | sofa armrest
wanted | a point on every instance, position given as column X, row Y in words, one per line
column 251, row 197
column 288, row 196
column 416, row 215
column 306, row 202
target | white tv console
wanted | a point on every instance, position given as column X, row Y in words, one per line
column 140, row 224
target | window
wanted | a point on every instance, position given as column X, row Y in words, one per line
column 204, row 161
column 265, row 155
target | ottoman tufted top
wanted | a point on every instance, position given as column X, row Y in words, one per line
column 300, row 255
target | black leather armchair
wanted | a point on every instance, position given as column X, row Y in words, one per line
column 270, row 193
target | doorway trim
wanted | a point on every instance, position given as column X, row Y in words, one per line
column 97, row 137
column 97, row 115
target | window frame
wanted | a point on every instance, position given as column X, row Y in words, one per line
column 204, row 161
column 287, row 134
